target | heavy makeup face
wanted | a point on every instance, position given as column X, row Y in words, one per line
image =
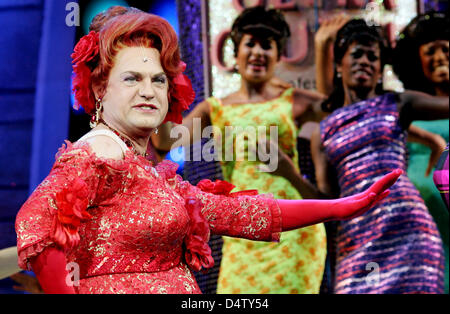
column 256, row 58
column 136, row 100
column 434, row 58
column 361, row 66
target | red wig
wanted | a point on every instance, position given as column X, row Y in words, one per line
column 130, row 28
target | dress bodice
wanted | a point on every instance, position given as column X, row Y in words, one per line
column 253, row 120
column 127, row 217
column 364, row 139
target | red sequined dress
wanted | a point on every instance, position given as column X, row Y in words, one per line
column 126, row 226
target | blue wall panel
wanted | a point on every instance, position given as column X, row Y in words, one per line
column 15, row 148
column 16, row 106
column 20, row 34
column 19, row 39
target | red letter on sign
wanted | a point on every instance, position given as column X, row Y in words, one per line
column 299, row 41
column 390, row 33
column 390, row 4
column 306, row 4
column 356, row 4
column 239, row 6
column 283, row 5
column 341, row 3
column 217, row 51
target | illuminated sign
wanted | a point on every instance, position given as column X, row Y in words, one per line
column 303, row 16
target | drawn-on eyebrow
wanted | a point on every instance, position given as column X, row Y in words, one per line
column 138, row 74
column 159, row 75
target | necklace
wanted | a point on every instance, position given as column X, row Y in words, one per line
column 127, row 142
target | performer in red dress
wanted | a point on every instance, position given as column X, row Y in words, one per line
column 118, row 223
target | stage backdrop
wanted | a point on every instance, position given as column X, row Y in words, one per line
column 297, row 66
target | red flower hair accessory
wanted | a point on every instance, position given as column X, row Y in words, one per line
column 86, row 50
column 198, row 252
column 181, row 97
column 85, row 54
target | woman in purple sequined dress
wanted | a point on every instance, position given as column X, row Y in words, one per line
column 395, row 247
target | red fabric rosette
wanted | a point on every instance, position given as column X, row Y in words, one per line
column 72, row 203
column 198, row 252
column 86, row 49
column 81, row 87
column 221, row 187
column 84, row 52
column 181, row 97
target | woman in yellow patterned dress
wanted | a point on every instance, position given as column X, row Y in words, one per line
column 295, row 265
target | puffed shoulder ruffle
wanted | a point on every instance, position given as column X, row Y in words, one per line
column 54, row 212
column 167, row 169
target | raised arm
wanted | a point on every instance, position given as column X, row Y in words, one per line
column 323, row 46
column 163, row 141
column 307, row 106
column 325, row 181
column 434, row 141
column 414, row 105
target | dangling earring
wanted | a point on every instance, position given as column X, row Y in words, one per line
column 96, row 117
column 339, row 75
column 156, row 130
column 379, row 88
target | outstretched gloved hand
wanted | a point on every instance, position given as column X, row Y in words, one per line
column 301, row 213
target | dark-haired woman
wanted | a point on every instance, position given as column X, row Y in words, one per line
column 295, row 265
column 324, row 40
column 396, row 247
column 422, row 53
column 421, row 60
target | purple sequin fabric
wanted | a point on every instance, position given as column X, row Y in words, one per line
column 440, row 176
column 395, row 247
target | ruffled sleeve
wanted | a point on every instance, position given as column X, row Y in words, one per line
column 53, row 213
column 249, row 216
column 242, row 214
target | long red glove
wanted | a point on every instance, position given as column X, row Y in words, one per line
column 50, row 265
column 50, row 270
column 301, row 213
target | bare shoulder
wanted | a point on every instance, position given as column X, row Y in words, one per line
column 317, row 149
column 105, row 147
column 308, row 95
column 202, row 109
column 315, row 134
column 232, row 98
column 307, row 105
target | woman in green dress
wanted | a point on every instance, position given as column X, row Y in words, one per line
column 295, row 265
column 421, row 61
